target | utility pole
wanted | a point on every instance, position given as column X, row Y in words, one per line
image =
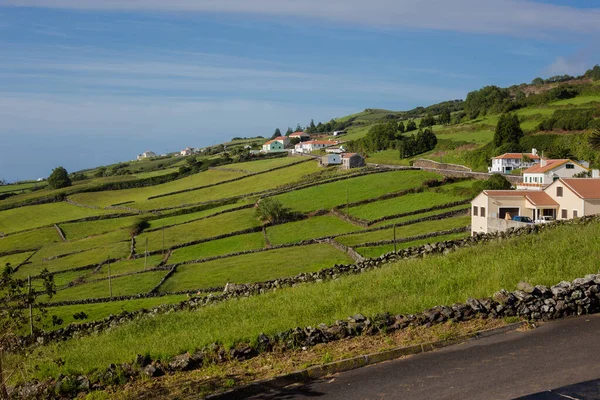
column 30, row 306
column 347, row 202
column 109, row 279
column 163, row 239
column 395, row 250
column 146, row 255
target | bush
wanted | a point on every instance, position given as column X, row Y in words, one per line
column 271, row 210
column 569, row 120
column 138, row 227
column 59, row 178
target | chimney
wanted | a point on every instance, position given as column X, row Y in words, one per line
column 534, row 152
column 596, row 173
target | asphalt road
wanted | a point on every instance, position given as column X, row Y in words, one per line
column 559, row 360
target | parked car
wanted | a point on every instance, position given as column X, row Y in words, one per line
column 522, row 218
column 544, row 219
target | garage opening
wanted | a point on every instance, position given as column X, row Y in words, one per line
column 511, row 210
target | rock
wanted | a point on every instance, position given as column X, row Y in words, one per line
column 502, row 297
column 357, row 318
column 525, row 287
column 153, row 371
column 576, row 295
column 141, row 361
column 182, row 362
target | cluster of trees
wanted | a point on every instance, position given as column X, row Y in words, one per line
column 489, row 99
column 59, row 178
column 246, row 138
column 593, row 73
column 508, row 131
column 552, row 79
column 570, row 120
column 410, row 146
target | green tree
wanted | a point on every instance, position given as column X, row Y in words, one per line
column 428, row 120
column 289, row 131
column 594, row 139
column 537, row 81
column 272, row 210
column 445, row 117
column 298, row 128
column 508, row 130
column 277, row 133
column 312, row 127
column 380, row 136
column 411, row 126
column 59, row 178
column 401, row 127
column 593, row 73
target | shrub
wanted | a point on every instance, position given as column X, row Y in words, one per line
column 271, row 210
column 59, row 178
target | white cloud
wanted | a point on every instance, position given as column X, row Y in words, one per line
column 574, row 64
column 507, row 17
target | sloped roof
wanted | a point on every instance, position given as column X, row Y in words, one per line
column 585, row 188
column 281, row 138
column 548, row 166
column 329, row 142
column 299, row 134
column 537, row 198
column 348, row 155
column 518, row 156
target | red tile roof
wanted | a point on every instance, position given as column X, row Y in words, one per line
column 535, row 197
column 348, row 155
column 281, row 138
column 585, row 188
column 548, row 166
column 518, row 156
column 327, row 142
column 299, row 134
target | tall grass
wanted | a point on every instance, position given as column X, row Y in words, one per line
column 405, row 287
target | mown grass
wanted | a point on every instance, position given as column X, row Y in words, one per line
column 251, row 184
column 23, row 218
column 110, row 197
column 80, row 230
column 255, row 267
column 121, row 286
column 311, row 228
column 405, row 204
column 372, row 252
column 101, row 310
column 325, row 197
column 250, row 241
column 29, row 240
column 407, row 286
column 405, row 231
column 14, row 259
column 421, row 215
column 206, row 228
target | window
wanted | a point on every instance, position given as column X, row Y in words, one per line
column 559, row 191
column 482, row 212
column 574, row 213
column 475, row 211
column 570, row 166
column 563, row 214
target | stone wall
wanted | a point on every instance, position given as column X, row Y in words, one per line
column 499, row 224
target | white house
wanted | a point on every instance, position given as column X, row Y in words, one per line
column 352, row 160
column 303, row 136
column 312, row 145
column 335, row 150
column 272, row 146
column 547, row 171
column 338, row 133
column 188, row 151
column 330, row 159
column 284, row 140
column 506, row 162
column 146, row 154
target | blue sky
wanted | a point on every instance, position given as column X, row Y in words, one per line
column 90, row 82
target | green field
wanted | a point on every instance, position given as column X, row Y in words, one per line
column 263, row 165
column 401, row 220
column 178, row 219
column 405, row 231
column 21, row 187
column 327, row 196
column 579, row 100
column 14, row 259
column 81, row 230
column 255, row 267
column 408, row 286
column 29, row 240
column 311, row 228
column 376, row 251
column 250, row 241
column 127, row 266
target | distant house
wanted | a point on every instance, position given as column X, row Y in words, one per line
column 146, row 154
column 330, row 159
column 547, row 171
column 188, row 151
column 335, row 149
column 284, row 140
column 338, row 133
column 272, row 146
column 352, row 160
column 507, row 162
column 303, row 136
column 312, row 145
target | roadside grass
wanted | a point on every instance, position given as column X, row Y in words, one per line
column 408, row 286
column 14, row 259
column 206, row 228
column 23, row 218
column 29, row 240
column 267, row 181
column 121, row 286
column 400, row 220
column 255, row 267
column 81, row 230
column 92, row 256
column 408, row 203
column 178, row 219
column 327, row 225
column 373, row 252
column 110, row 197
column 263, row 165
column 250, row 241
column 420, row 228
column 326, row 196
column 98, row 311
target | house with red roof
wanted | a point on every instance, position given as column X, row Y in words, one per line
column 284, row 140
column 273, row 146
column 303, row 136
column 545, row 172
column 352, row 160
column 507, row 162
column 312, row 145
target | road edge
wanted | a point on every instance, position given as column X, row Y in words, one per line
column 320, row 371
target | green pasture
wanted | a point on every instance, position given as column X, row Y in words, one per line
column 376, row 251
column 400, row 220
column 29, row 240
column 233, row 244
column 127, row 266
column 14, row 259
column 256, row 267
column 178, row 219
column 577, row 101
column 311, row 228
column 107, row 241
column 263, row 165
column 81, row 230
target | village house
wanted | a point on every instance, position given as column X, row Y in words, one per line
column 335, row 150
column 339, row 133
column 330, row 159
column 352, row 160
column 565, row 198
column 188, row 151
column 146, row 154
column 508, row 162
column 284, row 140
column 303, row 136
column 273, row 146
column 545, row 172
column 313, row 145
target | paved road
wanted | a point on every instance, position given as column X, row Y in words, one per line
column 559, row 360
